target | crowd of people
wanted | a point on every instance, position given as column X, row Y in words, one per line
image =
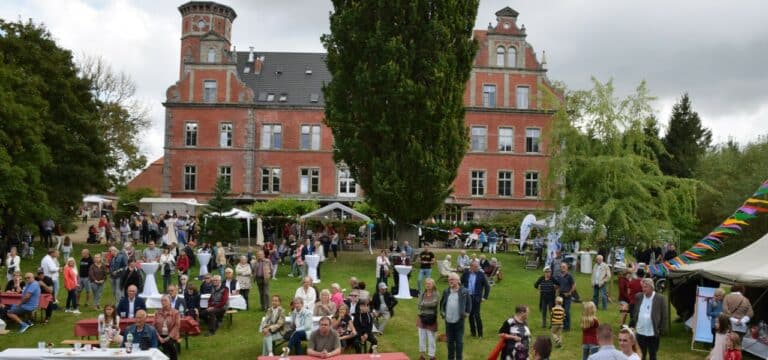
column 326, row 321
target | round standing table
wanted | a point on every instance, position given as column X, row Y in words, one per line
column 203, row 258
column 150, row 285
column 312, row 262
column 403, row 288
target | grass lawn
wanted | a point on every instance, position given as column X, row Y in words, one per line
column 243, row 340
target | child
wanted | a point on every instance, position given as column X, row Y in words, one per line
column 364, row 326
column 558, row 315
column 589, row 326
column 732, row 343
column 723, row 328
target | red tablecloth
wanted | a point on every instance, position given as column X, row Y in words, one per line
column 8, row 298
column 90, row 327
column 383, row 356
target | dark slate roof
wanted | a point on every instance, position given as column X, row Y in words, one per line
column 286, row 74
column 507, row 12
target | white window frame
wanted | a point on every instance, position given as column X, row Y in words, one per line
column 190, row 133
column 211, row 55
column 532, row 144
column 512, row 57
column 270, row 133
column 210, row 91
column 508, row 179
column 189, row 177
column 479, row 142
column 225, row 171
column 309, row 139
column 506, row 143
column 533, row 182
column 226, row 130
column 500, row 55
column 309, row 180
column 523, row 97
column 272, row 175
column 489, row 96
column 478, row 182
column 346, row 186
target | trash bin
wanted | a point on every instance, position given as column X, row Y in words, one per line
column 585, row 261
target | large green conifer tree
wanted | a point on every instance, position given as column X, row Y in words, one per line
column 395, row 103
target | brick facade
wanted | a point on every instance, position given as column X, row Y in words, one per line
column 258, row 117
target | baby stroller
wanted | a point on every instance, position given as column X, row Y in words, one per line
column 27, row 250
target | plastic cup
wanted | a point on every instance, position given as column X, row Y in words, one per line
column 41, row 345
column 78, row 346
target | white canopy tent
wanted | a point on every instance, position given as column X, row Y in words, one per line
column 746, row 267
column 341, row 212
column 236, row 213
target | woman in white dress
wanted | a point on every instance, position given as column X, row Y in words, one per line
column 628, row 344
column 12, row 263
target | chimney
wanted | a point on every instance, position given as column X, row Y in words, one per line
column 258, row 64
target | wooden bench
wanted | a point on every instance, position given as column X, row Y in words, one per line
column 83, row 342
column 229, row 314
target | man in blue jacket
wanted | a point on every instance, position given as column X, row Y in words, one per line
column 475, row 282
column 141, row 330
column 130, row 305
column 455, row 305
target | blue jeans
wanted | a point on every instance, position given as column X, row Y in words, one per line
column 295, row 342
column 588, row 349
column 455, row 334
column 600, row 292
column 567, row 308
column 423, row 274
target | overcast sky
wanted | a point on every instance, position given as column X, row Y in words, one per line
column 716, row 51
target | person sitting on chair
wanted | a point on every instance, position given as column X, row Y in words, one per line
column 444, row 267
column 217, row 305
column 130, row 304
column 324, row 342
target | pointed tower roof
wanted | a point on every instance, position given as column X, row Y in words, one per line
column 507, row 12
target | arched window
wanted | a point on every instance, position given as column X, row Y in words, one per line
column 500, row 56
column 512, row 57
column 211, row 55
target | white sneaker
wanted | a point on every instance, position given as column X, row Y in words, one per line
column 67, row 310
column 76, row 312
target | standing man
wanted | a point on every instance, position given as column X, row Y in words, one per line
column 47, row 227
column 132, row 276
column 83, row 272
column 477, row 285
column 605, row 340
column 50, row 265
column 566, row 285
column 546, row 285
column 403, row 259
column 455, row 305
column 426, row 259
column 151, row 253
column 493, row 239
column 650, row 317
column 262, row 272
column 117, row 267
column 601, row 275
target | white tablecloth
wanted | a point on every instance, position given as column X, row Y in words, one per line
column 235, row 301
column 113, row 353
column 751, row 346
column 150, row 285
column 153, row 302
column 203, row 258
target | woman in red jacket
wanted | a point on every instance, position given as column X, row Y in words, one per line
column 70, row 283
column 182, row 263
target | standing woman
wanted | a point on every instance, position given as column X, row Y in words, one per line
column 125, row 230
column 66, row 247
column 244, row 278
column 628, row 344
column 182, row 263
column 221, row 258
column 70, row 283
column 426, row 322
column 12, row 263
column 167, row 264
column 382, row 267
column 97, row 275
column 714, row 309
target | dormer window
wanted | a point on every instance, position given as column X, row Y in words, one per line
column 500, row 56
column 211, row 55
column 512, row 57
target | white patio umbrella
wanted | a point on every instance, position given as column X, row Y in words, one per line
column 259, row 233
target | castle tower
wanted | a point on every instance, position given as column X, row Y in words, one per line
column 206, row 32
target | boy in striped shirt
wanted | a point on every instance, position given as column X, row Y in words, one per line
column 558, row 315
